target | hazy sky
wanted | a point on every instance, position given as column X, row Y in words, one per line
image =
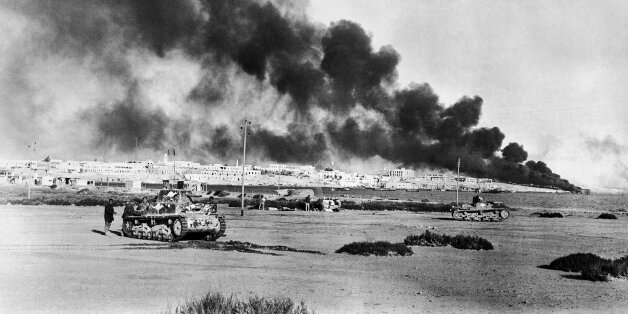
column 552, row 73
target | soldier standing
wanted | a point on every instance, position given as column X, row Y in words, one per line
column 109, row 212
column 262, row 201
column 307, row 203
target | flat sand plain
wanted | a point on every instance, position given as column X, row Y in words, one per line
column 55, row 259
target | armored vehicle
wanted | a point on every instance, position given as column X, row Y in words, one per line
column 480, row 210
column 174, row 216
column 328, row 204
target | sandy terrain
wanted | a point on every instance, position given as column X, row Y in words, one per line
column 55, row 260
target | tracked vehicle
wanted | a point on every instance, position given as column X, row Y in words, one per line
column 174, row 216
column 480, row 211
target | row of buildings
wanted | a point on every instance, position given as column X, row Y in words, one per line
column 133, row 174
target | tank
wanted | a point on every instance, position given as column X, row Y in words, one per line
column 328, row 204
column 480, row 211
column 174, row 216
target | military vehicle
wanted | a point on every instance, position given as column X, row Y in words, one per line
column 175, row 216
column 480, row 210
column 327, row 204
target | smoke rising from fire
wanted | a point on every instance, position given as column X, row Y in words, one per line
column 185, row 74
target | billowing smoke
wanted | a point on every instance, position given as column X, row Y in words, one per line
column 161, row 74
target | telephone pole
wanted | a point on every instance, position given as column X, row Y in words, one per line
column 245, row 130
column 457, row 180
column 31, row 148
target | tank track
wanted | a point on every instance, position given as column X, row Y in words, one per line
column 223, row 226
column 495, row 215
column 163, row 232
column 184, row 229
column 160, row 232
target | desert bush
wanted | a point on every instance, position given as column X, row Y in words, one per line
column 350, row 204
column 394, row 206
column 460, row 241
column 58, row 202
column 606, row 216
column 380, row 248
column 574, row 262
column 551, row 215
column 217, row 303
column 98, row 202
column 238, row 202
column 465, row 242
column 26, row 201
column 591, row 266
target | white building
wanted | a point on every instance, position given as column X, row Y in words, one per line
column 20, row 164
column 402, row 173
column 222, row 172
column 295, row 169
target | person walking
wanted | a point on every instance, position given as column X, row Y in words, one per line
column 307, row 203
column 109, row 212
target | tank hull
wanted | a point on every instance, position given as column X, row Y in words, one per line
column 479, row 213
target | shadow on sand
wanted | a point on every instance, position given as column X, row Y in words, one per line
column 118, row 233
column 576, row 276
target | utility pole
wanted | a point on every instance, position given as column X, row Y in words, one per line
column 457, row 180
column 31, row 148
column 244, row 129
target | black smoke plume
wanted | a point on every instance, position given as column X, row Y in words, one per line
column 329, row 90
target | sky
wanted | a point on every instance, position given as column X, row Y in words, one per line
column 552, row 73
column 87, row 79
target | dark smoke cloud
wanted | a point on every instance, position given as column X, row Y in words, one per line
column 127, row 121
column 299, row 145
column 484, row 141
column 165, row 24
column 224, row 143
column 515, row 153
column 351, row 64
column 418, row 111
column 326, row 77
column 364, row 143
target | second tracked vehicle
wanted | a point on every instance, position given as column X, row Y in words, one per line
column 480, row 210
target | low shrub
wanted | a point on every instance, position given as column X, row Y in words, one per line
column 380, row 248
column 58, row 202
column 406, row 206
column 606, row 216
column 551, row 215
column 465, row 242
column 460, row 241
column 98, row 202
column 217, row 303
column 591, row 266
column 238, row 202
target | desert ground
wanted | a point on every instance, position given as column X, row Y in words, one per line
column 56, row 259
